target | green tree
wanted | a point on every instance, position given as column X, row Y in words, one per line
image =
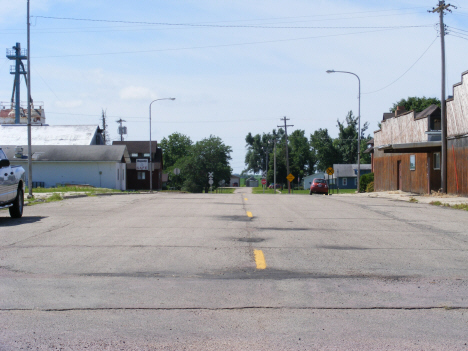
column 257, row 148
column 324, row 149
column 415, row 103
column 347, row 142
column 175, row 147
column 207, row 155
column 301, row 158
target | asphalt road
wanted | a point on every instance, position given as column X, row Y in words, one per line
column 234, row 272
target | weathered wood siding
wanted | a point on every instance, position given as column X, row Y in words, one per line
column 386, row 173
column 460, row 163
column 401, row 129
column 457, row 109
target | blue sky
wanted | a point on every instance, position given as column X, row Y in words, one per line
column 230, row 71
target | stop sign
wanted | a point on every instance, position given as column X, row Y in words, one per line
column 263, row 181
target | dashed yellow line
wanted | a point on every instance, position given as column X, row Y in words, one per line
column 245, row 199
column 260, row 259
column 249, row 214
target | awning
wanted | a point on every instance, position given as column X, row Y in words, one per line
column 422, row 147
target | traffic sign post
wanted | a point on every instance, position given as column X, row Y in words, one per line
column 330, row 171
column 210, row 180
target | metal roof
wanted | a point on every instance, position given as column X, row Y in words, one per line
column 70, row 153
column 421, row 147
column 17, row 134
column 347, row 170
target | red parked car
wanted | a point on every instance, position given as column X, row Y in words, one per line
column 319, row 186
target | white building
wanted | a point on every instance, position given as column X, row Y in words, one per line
column 96, row 165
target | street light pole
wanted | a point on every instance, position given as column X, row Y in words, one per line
column 30, row 192
column 274, row 166
column 151, row 156
column 359, row 125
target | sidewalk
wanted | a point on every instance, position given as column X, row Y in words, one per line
column 421, row 198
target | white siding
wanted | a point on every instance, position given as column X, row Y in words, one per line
column 457, row 109
column 53, row 173
column 401, row 129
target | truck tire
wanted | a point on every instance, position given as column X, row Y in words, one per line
column 16, row 211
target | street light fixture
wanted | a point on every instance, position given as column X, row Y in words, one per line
column 359, row 124
column 151, row 156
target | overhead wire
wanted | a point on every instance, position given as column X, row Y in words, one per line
column 143, row 26
column 225, row 25
column 214, row 46
column 396, row 80
column 145, row 119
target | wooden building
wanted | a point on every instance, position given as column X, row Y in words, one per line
column 457, row 138
column 407, row 148
column 138, row 179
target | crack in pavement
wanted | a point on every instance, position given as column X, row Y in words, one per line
column 402, row 308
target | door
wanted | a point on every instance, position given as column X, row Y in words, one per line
column 399, row 185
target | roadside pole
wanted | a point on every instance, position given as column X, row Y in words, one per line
column 274, row 168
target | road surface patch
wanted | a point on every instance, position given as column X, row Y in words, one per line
column 260, row 259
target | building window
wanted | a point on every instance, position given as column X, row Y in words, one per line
column 134, row 154
column 412, row 162
column 437, row 160
column 355, row 181
column 141, row 175
column 146, row 154
column 345, row 181
column 117, row 174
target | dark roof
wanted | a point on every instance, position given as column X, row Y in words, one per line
column 138, row 146
column 371, row 141
column 71, row 153
column 432, row 110
column 387, row 115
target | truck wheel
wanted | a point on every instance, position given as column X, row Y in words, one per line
column 16, row 211
column 310, row 192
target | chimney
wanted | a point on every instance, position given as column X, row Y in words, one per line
column 399, row 110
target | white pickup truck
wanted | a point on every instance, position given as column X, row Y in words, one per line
column 12, row 180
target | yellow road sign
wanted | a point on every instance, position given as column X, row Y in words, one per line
column 330, row 171
column 290, row 177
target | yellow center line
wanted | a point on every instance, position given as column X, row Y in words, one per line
column 245, row 199
column 260, row 259
column 249, row 214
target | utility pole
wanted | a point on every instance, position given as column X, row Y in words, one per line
column 274, row 167
column 443, row 174
column 287, row 151
column 30, row 193
column 105, row 133
column 122, row 129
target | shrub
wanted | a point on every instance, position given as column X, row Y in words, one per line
column 370, row 187
column 365, row 180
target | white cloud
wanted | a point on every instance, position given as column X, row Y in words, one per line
column 136, row 93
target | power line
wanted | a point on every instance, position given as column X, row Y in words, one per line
column 224, row 25
column 420, row 57
column 216, row 46
column 168, row 122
